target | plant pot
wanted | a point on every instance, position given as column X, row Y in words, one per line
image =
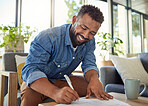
column 19, row 46
column 106, row 63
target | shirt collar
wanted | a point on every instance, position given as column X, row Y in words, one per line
column 67, row 37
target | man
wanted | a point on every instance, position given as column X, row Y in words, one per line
column 58, row 51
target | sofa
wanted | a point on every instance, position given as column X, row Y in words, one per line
column 113, row 82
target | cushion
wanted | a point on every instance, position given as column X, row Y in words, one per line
column 20, row 62
column 119, row 88
column 130, row 68
column 144, row 59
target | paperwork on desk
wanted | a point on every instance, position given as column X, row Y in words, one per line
column 95, row 102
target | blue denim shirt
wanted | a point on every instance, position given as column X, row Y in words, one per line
column 52, row 56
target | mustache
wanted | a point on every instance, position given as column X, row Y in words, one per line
column 83, row 37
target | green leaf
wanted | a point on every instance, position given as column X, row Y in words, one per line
column 106, row 42
column 12, row 34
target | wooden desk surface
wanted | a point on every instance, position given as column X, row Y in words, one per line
column 141, row 101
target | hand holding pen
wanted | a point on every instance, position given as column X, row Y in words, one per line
column 66, row 95
column 69, row 82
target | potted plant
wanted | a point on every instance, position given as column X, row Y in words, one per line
column 14, row 37
column 106, row 43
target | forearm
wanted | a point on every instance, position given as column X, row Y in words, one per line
column 45, row 87
column 91, row 75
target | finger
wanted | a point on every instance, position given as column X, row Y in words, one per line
column 104, row 97
column 73, row 94
column 65, row 101
column 108, row 96
column 99, row 97
column 88, row 93
column 97, row 94
column 76, row 94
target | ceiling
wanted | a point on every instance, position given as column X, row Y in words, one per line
column 140, row 5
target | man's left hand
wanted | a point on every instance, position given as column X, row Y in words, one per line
column 95, row 87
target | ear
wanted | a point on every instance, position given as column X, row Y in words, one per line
column 74, row 19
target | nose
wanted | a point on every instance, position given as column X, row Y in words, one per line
column 86, row 34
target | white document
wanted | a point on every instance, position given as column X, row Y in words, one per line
column 95, row 102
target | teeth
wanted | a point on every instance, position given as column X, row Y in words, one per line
column 80, row 38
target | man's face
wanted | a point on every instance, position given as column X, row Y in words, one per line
column 83, row 30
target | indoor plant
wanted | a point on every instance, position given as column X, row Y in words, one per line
column 106, row 43
column 14, row 37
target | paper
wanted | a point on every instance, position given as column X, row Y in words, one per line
column 95, row 102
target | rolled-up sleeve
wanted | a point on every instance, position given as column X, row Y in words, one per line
column 34, row 76
column 37, row 59
column 89, row 61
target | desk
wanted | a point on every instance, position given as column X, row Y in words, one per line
column 141, row 101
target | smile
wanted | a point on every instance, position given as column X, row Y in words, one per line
column 80, row 38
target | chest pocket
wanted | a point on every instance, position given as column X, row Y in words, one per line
column 59, row 64
column 78, row 60
column 55, row 67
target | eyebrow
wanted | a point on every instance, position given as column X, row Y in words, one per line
column 88, row 28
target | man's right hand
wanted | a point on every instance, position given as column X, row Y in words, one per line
column 65, row 95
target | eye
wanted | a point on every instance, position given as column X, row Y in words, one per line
column 92, row 33
column 83, row 27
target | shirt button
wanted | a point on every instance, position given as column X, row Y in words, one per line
column 73, row 57
column 59, row 66
column 60, row 73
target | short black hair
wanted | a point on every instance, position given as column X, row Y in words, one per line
column 92, row 11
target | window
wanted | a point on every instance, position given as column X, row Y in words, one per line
column 140, row 5
column 36, row 14
column 122, row 2
column 104, row 27
column 7, row 11
column 120, row 27
column 136, row 30
column 104, row 9
column 145, row 35
column 69, row 9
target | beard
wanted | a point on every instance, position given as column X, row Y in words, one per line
column 73, row 36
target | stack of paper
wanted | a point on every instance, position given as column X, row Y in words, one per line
column 95, row 102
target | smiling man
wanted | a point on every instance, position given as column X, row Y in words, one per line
column 84, row 29
column 58, row 51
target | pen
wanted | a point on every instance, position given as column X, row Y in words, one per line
column 68, row 81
